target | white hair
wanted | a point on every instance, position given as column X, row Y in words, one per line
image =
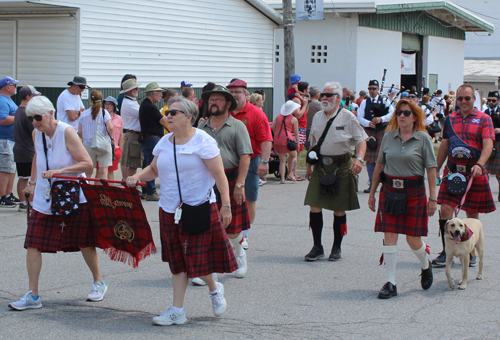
column 337, row 88
column 39, row 105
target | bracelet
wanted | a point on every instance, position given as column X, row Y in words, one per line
column 433, row 200
column 227, row 206
column 32, row 183
column 479, row 165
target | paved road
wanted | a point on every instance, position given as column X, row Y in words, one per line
column 282, row 297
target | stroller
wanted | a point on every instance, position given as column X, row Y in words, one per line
column 274, row 166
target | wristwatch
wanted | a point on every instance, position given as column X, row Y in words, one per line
column 360, row 159
column 265, row 161
column 240, row 185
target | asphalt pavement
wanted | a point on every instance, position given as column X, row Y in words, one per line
column 281, row 297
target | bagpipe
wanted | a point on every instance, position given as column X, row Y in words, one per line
column 378, row 108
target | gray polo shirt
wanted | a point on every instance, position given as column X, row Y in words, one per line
column 407, row 159
column 233, row 140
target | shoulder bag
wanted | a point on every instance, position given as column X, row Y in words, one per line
column 290, row 144
column 100, row 142
column 111, row 139
column 311, row 159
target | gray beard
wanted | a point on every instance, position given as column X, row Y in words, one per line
column 330, row 105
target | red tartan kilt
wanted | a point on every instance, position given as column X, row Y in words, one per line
column 241, row 218
column 478, row 199
column 493, row 165
column 44, row 232
column 414, row 222
column 206, row 253
column 372, row 155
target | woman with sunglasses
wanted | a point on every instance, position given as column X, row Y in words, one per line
column 64, row 154
column 192, row 173
column 406, row 153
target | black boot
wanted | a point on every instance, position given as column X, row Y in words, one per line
column 388, row 290
column 426, row 277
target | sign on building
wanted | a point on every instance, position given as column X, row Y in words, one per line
column 309, row 10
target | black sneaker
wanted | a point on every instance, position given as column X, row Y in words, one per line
column 388, row 290
column 22, row 207
column 440, row 261
column 335, row 255
column 315, row 253
column 426, row 277
column 6, row 203
column 13, row 199
column 472, row 261
column 367, row 191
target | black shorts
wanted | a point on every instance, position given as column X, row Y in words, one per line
column 23, row 170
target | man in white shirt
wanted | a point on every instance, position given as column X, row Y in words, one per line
column 131, row 151
column 69, row 103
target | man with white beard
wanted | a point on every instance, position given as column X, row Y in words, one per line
column 339, row 192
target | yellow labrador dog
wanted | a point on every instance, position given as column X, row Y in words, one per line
column 460, row 243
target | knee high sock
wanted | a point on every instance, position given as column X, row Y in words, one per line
column 441, row 229
column 236, row 243
column 421, row 254
column 390, row 259
column 245, row 232
column 371, row 169
column 339, row 229
column 316, row 225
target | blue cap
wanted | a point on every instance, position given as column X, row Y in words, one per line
column 186, row 83
column 7, row 81
column 404, row 94
column 294, row 78
column 113, row 100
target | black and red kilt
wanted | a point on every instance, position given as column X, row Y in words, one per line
column 198, row 255
column 241, row 218
column 372, row 155
column 478, row 199
column 493, row 165
column 52, row 233
column 412, row 223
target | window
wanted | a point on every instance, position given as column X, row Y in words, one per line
column 317, row 54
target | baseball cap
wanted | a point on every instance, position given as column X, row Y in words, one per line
column 404, row 94
column 186, row 83
column 7, row 81
column 28, row 90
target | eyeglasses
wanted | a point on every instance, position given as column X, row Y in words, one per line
column 407, row 113
column 82, row 87
column 492, row 100
column 373, row 88
column 327, row 95
column 236, row 92
column 467, row 99
column 172, row 112
column 38, row 118
column 216, row 100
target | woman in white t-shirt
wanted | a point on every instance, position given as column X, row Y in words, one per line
column 90, row 120
column 199, row 167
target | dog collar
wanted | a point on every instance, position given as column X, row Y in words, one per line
column 467, row 235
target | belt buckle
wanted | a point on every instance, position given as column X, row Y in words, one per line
column 327, row 160
column 461, row 168
column 398, row 183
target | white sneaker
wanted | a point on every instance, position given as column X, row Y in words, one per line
column 198, row 282
column 98, row 291
column 244, row 244
column 242, row 266
column 218, row 301
column 26, row 302
column 170, row 317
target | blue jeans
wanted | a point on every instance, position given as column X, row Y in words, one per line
column 147, row 149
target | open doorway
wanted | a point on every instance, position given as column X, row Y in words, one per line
column 411, row 62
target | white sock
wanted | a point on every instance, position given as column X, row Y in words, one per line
column 217, row 290
column 245, row 232
column 390, row 259
column 180, row 310
column 235, row 242
column 422, row 256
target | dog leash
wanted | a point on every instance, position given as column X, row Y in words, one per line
column 459, row 207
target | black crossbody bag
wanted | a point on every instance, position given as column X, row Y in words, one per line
column 111, row 138
column 290, row 144
column 196, row 219
column 317, row 147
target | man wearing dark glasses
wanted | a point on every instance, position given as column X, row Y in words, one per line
column 374, row 113
column 69, row 103
column 468, row 137
column 493, row 111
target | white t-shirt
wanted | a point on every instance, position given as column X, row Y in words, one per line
column 195, row 179
column 130, row 114
column 89, row 125
column 68, row 101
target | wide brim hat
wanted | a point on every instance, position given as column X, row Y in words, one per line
column 221, row 90
column 289, row 107
column 153, row 87
column 113, row 100
column 129, row 85
column 79, row 81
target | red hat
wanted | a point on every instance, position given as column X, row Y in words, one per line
column 238, row 83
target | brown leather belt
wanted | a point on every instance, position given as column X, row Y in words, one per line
column 137, row 133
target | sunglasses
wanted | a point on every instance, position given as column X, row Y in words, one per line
column 492, row 100
column 173, row 112
column 82, row 87
column 412, row 96
column 327, row 95
column 467, row 99
column 407, row 113
column 373, row 88
column 38, row 118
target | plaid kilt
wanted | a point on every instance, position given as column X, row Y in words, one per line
column 493, row 165
column 414, row 222
column 48, row 234
column 478, row 199
column 372, row 155
column 241, row 218
column 198, row 255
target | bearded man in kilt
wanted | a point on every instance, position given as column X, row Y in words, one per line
column 493, row 164
column 235, row 147
column 335, row 161
column 468, row 137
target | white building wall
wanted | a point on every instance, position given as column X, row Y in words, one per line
column 378, row 50
column 278, row 72
column 444, row 57
column 7, row 48
column 168, row 41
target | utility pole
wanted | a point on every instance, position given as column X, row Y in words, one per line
column 288, row 41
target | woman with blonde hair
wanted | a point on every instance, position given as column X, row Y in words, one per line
column 406, row 153
column 257, row 100
column 91, row 120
